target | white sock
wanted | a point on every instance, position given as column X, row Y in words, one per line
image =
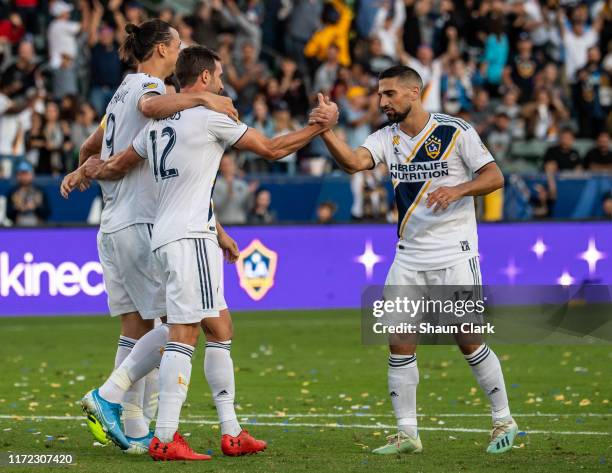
column 403, row 380
column 131, row 398
column 124, row 348
column 134, row 423
column 219, row 372
column 174, row 376
column 109, row 391
column 151, row 396
column 487, row 370
column 145, row 356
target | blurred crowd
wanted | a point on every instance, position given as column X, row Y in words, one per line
column 532, row 76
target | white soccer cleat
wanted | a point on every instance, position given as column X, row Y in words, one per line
column 400, row 443
column 502, row 436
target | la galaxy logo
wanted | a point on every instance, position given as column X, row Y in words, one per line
column 256, row 269
column 433, row 145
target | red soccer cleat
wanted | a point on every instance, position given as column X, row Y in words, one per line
column 244, row 444
column 178, row 449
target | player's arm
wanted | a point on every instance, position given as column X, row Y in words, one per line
column 488, row 179
column 153, row 105
column 76, row 178
column 350, row 160
column 114, row 168
column 273, row 149
column 228, row 245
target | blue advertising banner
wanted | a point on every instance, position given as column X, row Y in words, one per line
column 55, row 271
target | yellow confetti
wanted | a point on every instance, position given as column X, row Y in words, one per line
column 304, row 391
column 376, row 434
column 584, row 402
column 291, row 374
column 559, row 397
column 55, row 385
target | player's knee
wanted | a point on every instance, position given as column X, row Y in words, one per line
column 185, row 333
column 468, row 349
column 134, row 326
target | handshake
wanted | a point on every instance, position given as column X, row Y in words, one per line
column 325, row 113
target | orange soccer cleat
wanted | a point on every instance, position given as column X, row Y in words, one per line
column 244, row 444
column 178, row 449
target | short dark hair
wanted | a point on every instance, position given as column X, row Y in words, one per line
column 192, row 61
column 403, row 72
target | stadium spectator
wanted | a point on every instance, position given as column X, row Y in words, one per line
column 562, row 157
column 430, row 69
column 64, row 78
column 14, row 121
column 247, row 77
column 594, row 95
column 544, row 116
column 85, row 124
column 599, row 158
column 283, row 124
column 261, row 120
column 56, row 134
column 326, row 212
column 27, row 204
column 12, row 30
column 378, row 61
column 63, row 32
column 542, row 202
column 336, row 18
column 606, row 205
column 304, row 20
column 456, row 88
column 523, row 68
column 387, row 26
column 496, row 55
column 23, row 74
column 293, row 87
column 232, row 196
column 481, row 115
column 577, row 37
column 499, row 138
column 512, row 109
column 105, row 65
column 326, row 74
column 261, row 213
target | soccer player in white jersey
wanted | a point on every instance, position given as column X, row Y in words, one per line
column 130, row 273
column 184, row 152
column 437, row 164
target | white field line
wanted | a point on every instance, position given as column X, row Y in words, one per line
column 333, row 425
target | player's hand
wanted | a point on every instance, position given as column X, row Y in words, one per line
column 442, row 197
column 72, row 181
column 231, row 253
column 325, row 114
column 221, row 104
column 92, row 167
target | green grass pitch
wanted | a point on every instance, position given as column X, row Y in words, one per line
column 307, row 385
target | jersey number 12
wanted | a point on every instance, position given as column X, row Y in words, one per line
column 161, row 171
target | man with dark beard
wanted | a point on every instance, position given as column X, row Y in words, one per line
column 437, row 164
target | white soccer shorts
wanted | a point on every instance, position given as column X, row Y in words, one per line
column 192, row 271
column 131, row 273
column 462, row 280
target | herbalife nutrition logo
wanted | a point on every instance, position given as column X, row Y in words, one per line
column 28, row 278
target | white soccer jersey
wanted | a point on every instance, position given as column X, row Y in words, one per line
column 445, row 153
column 129, row 200
column 184, row 153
